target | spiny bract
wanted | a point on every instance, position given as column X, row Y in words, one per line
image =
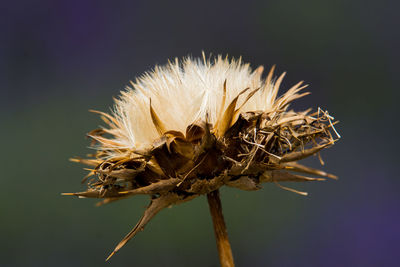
column 190, row 127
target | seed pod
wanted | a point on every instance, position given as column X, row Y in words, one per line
column 191, row 127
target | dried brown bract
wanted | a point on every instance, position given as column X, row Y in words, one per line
column 239, row 137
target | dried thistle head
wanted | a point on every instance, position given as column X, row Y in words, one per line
column 186, row 129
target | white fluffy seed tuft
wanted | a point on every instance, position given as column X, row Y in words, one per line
column 183, row 92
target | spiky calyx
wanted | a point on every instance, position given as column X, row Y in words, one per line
column 224, row 142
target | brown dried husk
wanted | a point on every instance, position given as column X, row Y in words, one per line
column 241, row 150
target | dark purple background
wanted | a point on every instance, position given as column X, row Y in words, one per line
column 61, row 58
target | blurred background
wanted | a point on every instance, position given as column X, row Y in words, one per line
column 58, row 59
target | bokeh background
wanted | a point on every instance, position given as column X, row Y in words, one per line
column 60, row 58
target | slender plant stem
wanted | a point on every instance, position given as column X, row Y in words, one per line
column 221, row 235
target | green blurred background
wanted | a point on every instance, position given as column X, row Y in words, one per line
column 61, row 58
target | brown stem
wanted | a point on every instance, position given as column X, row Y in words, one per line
column 224, row 247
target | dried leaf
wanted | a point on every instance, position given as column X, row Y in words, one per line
column 156, row 121
column 159, row 187
column 283, row 176
column 227, row 119
column 156, row 205
column 294, row 166
column 298, row 155
column 245, row 183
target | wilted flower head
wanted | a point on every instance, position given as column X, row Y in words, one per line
column 192, row 126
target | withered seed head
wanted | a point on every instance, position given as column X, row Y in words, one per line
column 190, row 127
